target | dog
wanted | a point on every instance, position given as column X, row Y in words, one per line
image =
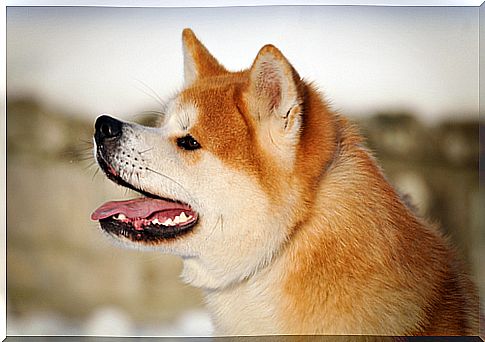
column 280, row 213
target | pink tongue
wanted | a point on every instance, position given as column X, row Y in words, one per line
column 135, row 208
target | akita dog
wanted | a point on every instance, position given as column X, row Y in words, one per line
column 280, row 213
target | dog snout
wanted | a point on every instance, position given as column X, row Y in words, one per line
column 106, row 128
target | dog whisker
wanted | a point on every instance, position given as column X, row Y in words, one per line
column 85, row 158
column 84, row 152
column 95, row 173
column 153, row 112
column 90, row 165
column 147, row 150
column 75, row 152
column 174, row 181
column 154, row 95
column 131, row 175
column 150, row 118
column 87, row 142
column 220, row 219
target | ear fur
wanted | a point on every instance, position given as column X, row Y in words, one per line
column 198, row 62
column 275, row 91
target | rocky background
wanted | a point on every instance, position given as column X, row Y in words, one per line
column 65, row 277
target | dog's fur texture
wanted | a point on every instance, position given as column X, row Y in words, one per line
column 299, row 231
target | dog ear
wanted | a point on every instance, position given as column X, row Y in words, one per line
column 198, row 62
column 276, row 91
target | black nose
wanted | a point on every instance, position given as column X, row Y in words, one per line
column 107, row 127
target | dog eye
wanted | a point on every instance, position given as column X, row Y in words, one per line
column 188, row 143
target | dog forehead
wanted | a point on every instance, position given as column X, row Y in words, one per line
column 207, row 110
column 221, row 125
column 217, row 110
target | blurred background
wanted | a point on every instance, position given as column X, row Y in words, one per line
column 407, row 75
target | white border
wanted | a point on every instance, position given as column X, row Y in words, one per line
column 3, row 175
column 235, row 3
column 148, row 3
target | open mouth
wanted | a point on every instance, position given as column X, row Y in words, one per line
column 146, row 219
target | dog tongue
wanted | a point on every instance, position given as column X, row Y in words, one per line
column 135, row 208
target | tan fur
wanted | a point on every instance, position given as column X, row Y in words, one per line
column 375, row 266
column 315, row 240
column 358, row 260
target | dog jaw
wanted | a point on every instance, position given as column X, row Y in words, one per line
column 232, row 219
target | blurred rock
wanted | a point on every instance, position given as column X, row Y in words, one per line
column 43, row 322
column 414, row 185
column 108, row 321
column 396, row 134
column 459, row 143
column 195, row 323
column 400, row 135
column 31, row 129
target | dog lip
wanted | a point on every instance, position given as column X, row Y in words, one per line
column 110, row 172
column 151, row 234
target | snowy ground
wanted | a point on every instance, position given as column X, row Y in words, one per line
column 108, row 321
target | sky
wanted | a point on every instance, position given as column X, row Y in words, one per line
column 94, row 60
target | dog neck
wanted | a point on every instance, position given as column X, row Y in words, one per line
column 248, row 307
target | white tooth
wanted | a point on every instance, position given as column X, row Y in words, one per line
column 168, row 222
column 177, row 219
column 183, row 217
column 121, row 217
column 188, row 218
column 155, row 221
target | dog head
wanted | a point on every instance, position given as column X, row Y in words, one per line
column 228, row 173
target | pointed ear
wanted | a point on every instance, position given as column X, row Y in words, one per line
column 276, row 90
column 198, row 62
